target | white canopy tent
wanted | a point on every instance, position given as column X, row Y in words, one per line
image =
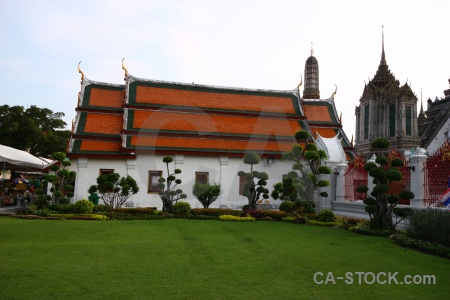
column 18, row 159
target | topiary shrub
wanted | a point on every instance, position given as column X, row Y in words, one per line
column 326, row 215
column 181, row 208
column 286, row 206
column 84, row 207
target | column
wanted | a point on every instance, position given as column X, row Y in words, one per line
column 179, row 160
column 81, row 188
column 416, row 162
column 131, row 171
column 223, row 160
column 339, row 171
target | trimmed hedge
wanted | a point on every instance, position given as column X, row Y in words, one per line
column 215, row 212
column 102, row 208
column 79, row 217
column 63, row 208
column 235, row 218
column 433, row 248
column 430, row 225
column 136, row 211
column 320, row 223
column 260, row 214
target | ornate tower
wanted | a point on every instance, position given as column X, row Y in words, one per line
column 422, row 119
column 386, row 110
column 311, row 90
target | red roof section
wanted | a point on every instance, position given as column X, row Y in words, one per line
column 204, row 122
column 103, row 123
column 103, row 146
column 317, row 113
column 324, row 132
column 206, row 144
column 213, row 100
column 106, row 98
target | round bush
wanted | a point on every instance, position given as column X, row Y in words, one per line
column 84, row 207
column 326, row 215
column 286, row 206
column 181, row 208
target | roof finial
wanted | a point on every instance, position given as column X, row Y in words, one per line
column 312, row 50
column 383, row 57
column 81, row 72
column 300, row 84
column 335, row 91
column 123, row 67
column 351, row 143
column 340, row 118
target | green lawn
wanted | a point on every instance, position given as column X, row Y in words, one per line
column 193, row 259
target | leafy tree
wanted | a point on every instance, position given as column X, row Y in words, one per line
column 255, row 181
column 301, row 183
column 206, row 193
column 114, row 190
column 381, row 204
column 62, row 179
column 34, row 129
column 167, row 187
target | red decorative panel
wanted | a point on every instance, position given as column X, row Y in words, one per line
column 436, row 175
column 354, row 177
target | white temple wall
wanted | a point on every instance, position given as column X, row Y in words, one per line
column 221, row 169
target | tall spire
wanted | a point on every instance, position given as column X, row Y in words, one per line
column 311, row 88
column 383, row 57
column 421, row 102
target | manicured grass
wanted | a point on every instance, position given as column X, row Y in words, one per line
column 193, row 259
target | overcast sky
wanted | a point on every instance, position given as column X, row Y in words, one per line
column 251, row 44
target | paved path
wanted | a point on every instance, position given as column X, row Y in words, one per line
column 10, row 209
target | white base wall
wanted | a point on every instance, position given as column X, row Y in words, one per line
column 222, row 170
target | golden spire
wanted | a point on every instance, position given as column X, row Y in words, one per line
column 312, row 50
column 351, row 143
column 81, row 72
column 340, row 118
column 300, row 84
column 335, row 91
column 123, row 67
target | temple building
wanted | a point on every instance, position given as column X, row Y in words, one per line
column 387, row 109
column 434, row 123
column 129, row 128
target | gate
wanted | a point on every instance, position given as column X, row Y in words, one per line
column 405, row 184
column 355, row 176
column 436, row 174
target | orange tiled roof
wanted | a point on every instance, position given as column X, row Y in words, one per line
column 317, row 113
column 103, row 123
column 107, row 98
column 214, row 123
column 104, row 146
column 324, row 132
column 229, row 101
column 208, row 144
